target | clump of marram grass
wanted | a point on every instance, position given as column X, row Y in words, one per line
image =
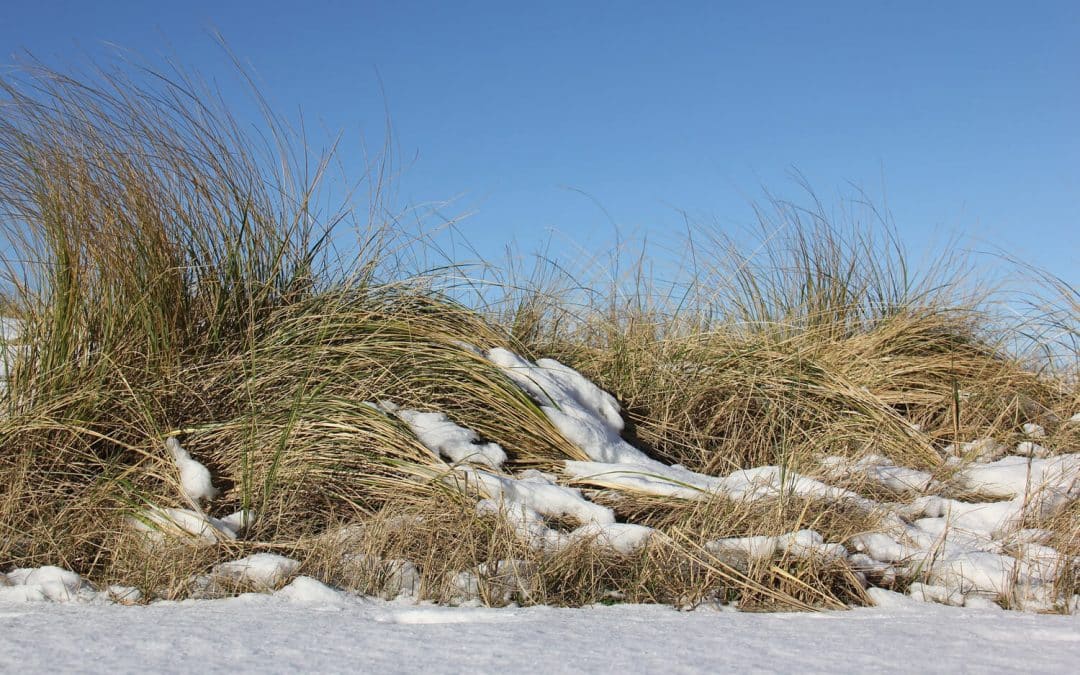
column 171, row 278
column 819, row 341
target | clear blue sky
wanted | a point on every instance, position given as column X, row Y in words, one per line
column 966, row 113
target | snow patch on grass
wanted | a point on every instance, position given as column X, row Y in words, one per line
column 262, row 570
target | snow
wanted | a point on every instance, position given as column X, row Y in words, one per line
column 192, row 526
column 44, row 583
column 940, row 594
column 753, row 549
column 1031, row 449
column 527, row 500
column 882, row 547
column 313, row 593
column 308, row 627
column 804, row 544
column 983, row 450
column 402, row 578
column 883, row 471
column 653, row 478
column 625, row 538
column 263, row 570
column 1034, row 430
column 540, row 494
column 239, row 520
column 455, row 443
column 1014, row 476
column 10, row 328
column 497, row 582
column 194, row 477
column 584, row 413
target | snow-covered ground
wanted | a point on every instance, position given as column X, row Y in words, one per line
column 309, row 628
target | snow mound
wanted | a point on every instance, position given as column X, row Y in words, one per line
column 262, row 570
column 196, row 528
column 239, row 520
column 455, row 443
column 1016, row 476
column 585, row 414
column 531, row 527
column 49, row 583
column 883, row 471
column 982, row 450
column 652, row 478
column 124, row 595
column 804, row 544
column 539, row 493
column 55, row 584
column 624, row 538
column 194, row 477
column 1033, row 430
column 312, row 593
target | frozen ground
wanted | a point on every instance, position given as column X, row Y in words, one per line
column 315, row 631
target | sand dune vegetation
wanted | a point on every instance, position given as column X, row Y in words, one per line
column 202, row 368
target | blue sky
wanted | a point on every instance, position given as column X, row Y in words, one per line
column 531, row 117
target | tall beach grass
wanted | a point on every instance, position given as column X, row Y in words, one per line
column 170, row 274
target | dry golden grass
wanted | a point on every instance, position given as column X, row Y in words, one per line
column 172, row 278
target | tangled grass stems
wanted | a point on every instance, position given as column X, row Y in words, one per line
column 166, row 277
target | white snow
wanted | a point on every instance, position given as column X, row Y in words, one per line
column 540, row 494
column 983, row 450
column 882, row 471
column 239, row 521
column 313, row 629
column 1031, row 449
column 752, row 549
column 192, row 526
column 882, row 547
column 625, row 538
column 10, row 328
column 194, row 477
column 125, row 595
column 262, row 570
column 45, row 583
column 1034, row 430
column 312, row 593
column 584, row 413
column 497, row 582
column 1015, row 476
column 939, row 594
column 652, row 477
column 526, row 501
column 805, row 544
column 442, row 436
column 403, row 578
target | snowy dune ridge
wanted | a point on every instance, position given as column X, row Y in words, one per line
column 953, row 552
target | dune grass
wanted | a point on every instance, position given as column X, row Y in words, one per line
column 169, row 276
